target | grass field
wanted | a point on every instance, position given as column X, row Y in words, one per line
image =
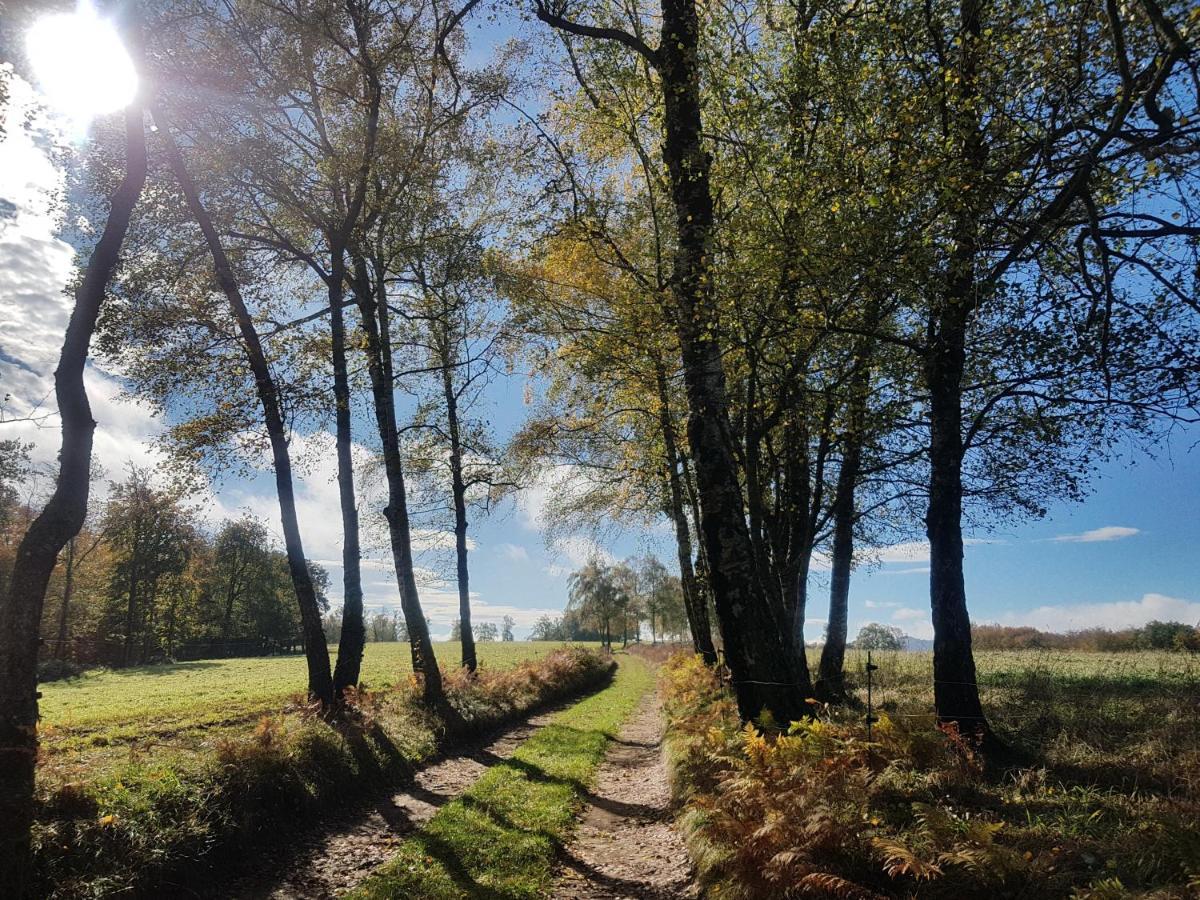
column 1088, row 709
column 119, row 706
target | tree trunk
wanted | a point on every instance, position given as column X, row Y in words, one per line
column 955, row 692
column 460, row 512
column 353, row 639
column 230, row 599
column 376, row 324
column 61, row 519
column 830, row 677
column 956, row 695
column 694, row 604
column 65, row 611
column 758, row 652
column 316, row 651
column 131, row 602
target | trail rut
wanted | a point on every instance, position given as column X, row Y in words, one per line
column 626, row 846
column 337, row 857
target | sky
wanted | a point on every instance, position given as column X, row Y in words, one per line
column 1128, row 554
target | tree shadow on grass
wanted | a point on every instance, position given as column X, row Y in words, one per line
column 160, row 669
column 620, row 886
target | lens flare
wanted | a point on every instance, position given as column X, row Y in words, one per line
column 80, row 65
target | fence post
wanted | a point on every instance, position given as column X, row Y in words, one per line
column 871, row 720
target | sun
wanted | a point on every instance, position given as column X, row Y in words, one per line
column 80, row 64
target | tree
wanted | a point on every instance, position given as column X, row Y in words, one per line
column 60, row 520
column 153, row 539
column 457, row 336
column 506, row 628
column 488, row 631
column 547, row 628
column 596, row 595
column 1039, row 224
column 768, row 673
column 320, row 681
column 879, row 637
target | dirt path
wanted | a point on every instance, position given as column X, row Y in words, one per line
column 626, row 846
column 339, row 856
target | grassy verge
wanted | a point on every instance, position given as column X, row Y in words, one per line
column 136, row 826
column 500, row 839
column 1109, row 806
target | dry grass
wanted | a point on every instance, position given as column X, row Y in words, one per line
column 1107, row 806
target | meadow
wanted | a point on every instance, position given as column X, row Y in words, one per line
column 1099, row 799
column 178, row 705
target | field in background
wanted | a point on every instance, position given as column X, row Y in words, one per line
column 1109, row 703
column 179, row 705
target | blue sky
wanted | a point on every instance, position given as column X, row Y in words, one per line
column 1128, row 554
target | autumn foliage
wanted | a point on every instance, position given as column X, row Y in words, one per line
column 817, row 810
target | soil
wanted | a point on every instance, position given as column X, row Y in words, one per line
column 626, row 846
column 337, row 857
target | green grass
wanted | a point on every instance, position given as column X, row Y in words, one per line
column 125, row 818
column 500, row 839
column 181, row 704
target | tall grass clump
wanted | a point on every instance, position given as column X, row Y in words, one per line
column 816, row 810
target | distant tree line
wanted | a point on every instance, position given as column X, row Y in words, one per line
column 147, row 580
column 608, row 601
column 1151, row 636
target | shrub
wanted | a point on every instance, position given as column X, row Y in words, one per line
column 58, row 669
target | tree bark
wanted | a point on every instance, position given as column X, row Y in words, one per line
column 316, row 650
column 353, row 639
column 376, row 324
column 694, row 605
column 956, row 695
column 460, row 511
column 61, row 519
column 65, row 610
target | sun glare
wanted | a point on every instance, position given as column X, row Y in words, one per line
column 80, row 65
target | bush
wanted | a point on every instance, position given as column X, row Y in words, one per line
column 58, row 670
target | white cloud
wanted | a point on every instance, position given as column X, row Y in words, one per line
column 1115, row 615
column 555, row 485
column 37, row 264
column 881, row 604
column 513, row 552
column 1096, row 535
column 908, row 614
column 912, row 570
column 912, row 552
